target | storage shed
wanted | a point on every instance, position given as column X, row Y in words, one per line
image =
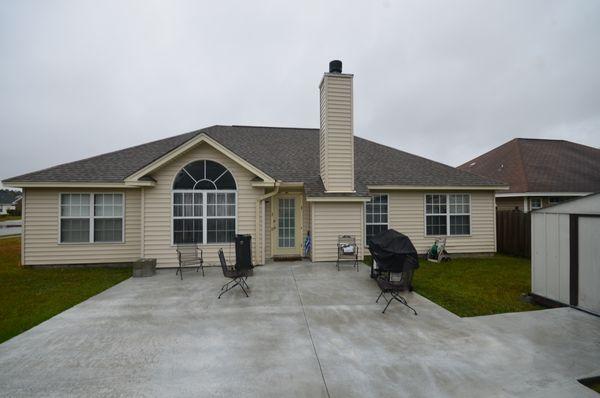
column 565, row 253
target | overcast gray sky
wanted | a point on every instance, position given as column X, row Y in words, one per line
column 445, row 80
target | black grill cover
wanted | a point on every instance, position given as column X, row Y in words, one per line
column 393, row 251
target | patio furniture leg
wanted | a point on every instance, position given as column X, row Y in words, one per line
column 243, row 280
column 242, row 286
column 230, row 287
column 403, row 301
column 380, row 294
column 227, row 284
column 387, row 305
column 180, row 271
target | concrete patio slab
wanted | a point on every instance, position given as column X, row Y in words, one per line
column 306, row 330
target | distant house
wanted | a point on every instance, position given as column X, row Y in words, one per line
column 18, row 203
column 277, row 184
column 7, row 198
column 540, row 172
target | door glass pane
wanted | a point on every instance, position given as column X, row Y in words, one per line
column 287, row 222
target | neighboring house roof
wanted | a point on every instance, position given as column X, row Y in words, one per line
column 8, row 196
column 537, row 165
column 286, row 154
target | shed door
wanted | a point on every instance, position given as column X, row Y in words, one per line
column 589, row 264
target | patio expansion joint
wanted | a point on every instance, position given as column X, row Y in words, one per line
column 309, row 333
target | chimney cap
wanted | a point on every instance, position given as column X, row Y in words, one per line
column 335, row 66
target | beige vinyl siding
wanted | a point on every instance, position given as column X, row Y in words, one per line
column 323, row 146
column 157, row 208
column 337, row 139
column 406, row 214
column 331, row 219
column 40, row 243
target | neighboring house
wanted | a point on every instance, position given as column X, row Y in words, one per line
column 7, row 197
column 276, row 184
column 540, row 172
column 17, row 203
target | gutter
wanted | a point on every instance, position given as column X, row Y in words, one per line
column 260, row 199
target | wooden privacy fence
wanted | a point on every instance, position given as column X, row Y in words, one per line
column 513, row 233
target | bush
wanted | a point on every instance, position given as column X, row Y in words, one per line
column 13, row 212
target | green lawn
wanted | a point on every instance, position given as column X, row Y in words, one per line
column 592, row 382
column 30, row 296
column 476, row 286
column 6, row 217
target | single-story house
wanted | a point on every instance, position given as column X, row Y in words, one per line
column 276, row 184
column 7, row 198
column 540, row 172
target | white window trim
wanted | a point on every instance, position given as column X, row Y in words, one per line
column 205, row 215
column 532, row 207
column 91, row 217
column 387, row 224
column 447, row 214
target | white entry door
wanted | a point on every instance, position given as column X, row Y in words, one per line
column 287, row 221
column 589, row 264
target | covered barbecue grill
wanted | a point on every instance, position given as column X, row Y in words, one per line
column 393, row 253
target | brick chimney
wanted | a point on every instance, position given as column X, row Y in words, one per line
column 336, row 134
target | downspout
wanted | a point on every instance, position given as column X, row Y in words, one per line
column 258, row 202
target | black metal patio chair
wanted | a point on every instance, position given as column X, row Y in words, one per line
column 238, row 277
column 189, row 256
column 392, row 284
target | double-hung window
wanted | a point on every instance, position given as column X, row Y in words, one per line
column 447, row 214
column 377, row 215
column 108, row 217
column 88, row 218
column 204, row 204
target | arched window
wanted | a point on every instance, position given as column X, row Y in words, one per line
column 204, row 204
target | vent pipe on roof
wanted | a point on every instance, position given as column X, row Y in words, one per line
column 335, row 66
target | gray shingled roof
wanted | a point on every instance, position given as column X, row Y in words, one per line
column 286, row 154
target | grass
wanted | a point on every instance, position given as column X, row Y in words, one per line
column 476, row 286
column 31, row 296
column 6, row 217
column 592, row 382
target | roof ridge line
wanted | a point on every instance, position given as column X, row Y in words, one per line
column 271, row 127
column 111, row 152
column 433, row 161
